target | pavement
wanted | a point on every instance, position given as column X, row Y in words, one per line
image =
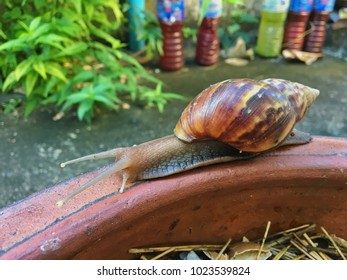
column 32, row 149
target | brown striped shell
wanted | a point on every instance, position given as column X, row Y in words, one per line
column 249, row 115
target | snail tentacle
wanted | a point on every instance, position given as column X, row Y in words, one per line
column 106, row 154
column 120, row 165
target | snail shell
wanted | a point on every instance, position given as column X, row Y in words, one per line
column 249, row 115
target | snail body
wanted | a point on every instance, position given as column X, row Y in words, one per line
column 230, row 120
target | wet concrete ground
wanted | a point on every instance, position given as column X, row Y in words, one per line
column 31, row 150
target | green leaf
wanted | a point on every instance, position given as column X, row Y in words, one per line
column 128, row 58
column 2, row 34
column 15, row 43
column 68, row 26
column 149, row 77
column 235, row 2
column 25, row 27
column 42, row 29
column 30, row 105
column 23, row 68
column 13, row 13
column 40, row 68
column 35, row 23
column 53, row 40
column 11, row 105
column 8, row 63
column 83, row 76
column 78, row 97
column 114, row 5
column 39, row 4
column 64, row 92
column 233, row 28
column 84, row 108
column 203, row 10
column 108, row 59
column 55, row 70
column 11, row 79
column 52, row 82
column 30, row 81
column 172, row 95
column 158, row 88
column 105, row 100
column 103, row 20
column 102, row 88
column 159, row 47
column 248, row 18
column 78, row 6
column 73, row 49
column 89, row 8
column 160, row 106
column 104, row 35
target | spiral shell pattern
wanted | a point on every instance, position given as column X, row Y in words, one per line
column 249, row 115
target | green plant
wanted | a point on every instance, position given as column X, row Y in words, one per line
column 66, row 52
column 190, row 33
column 205, row 5
column 157, row 97
column 10, row 105
column 148, row 29
column 236, row 15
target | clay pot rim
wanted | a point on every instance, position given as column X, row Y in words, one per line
column 102, row 208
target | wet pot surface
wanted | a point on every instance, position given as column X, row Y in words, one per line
column 289, row 187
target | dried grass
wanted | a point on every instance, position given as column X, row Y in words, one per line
column 305, row 242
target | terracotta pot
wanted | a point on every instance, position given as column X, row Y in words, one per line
column 289, row 187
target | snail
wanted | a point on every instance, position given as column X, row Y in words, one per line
column 230, row 120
